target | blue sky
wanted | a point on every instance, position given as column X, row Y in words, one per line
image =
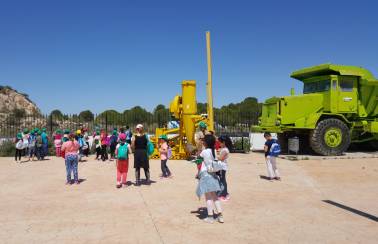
column 97, row 55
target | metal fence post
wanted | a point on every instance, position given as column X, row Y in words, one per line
column 106, row 122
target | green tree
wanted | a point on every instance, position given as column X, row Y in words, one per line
column 202, row 108
column 110, row 118
column 161, row 115
column 86, row 116
column 56, row 114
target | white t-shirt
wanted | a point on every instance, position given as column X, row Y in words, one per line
column 208, row 158
column 224, row 153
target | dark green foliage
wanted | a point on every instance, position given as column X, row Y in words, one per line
column 56, row 114
column 7, row 149
column 86, row 116
column 240, row 144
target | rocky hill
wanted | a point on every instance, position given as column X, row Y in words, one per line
column 12, row 101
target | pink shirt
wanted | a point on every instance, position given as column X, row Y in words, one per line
column 164, row 151
column 70, row 147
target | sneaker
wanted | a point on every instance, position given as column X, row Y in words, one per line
column 118, row 185
column 277, row 178
column 228, row 197
column 223, row 199
column 77, row 182
column 209, row 220
column 220, row 218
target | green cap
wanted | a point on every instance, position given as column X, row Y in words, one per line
column 59, row 131
column 26, row 130
column 66, row 131
column 39, row 132
column 44, row 130
column 19, row 135
column 202, row 125
column 164, row 137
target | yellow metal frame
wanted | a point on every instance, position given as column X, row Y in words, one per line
column 184, row 108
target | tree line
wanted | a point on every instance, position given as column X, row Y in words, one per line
column 244, row 112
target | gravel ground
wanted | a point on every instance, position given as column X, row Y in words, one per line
column 37, row 207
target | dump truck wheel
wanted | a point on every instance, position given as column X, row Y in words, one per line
column 331, row 137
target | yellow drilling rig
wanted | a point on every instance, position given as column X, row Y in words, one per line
column 184, row 108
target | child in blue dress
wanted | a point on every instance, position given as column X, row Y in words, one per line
column 208, row 183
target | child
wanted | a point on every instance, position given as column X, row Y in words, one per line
column 208, row 183
column 65, row 136
column 104, row 145
column 25, row 139
column 270, row 157
column 39, row 145
column 97, row 144
column 225, row 144
column 45, row 143
column 163, row 149
column 58, row 142
column 122, row 151
column 19, row 146
column 32, row 144
column 113, row 144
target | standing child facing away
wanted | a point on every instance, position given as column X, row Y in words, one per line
column 58, row 142
column 208, row 183
column 271, row 146
column 113, row 144
column 122, row 151
column 19, row 146
column 225, row 145
column 164, row 156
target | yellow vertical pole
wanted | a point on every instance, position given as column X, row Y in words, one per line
column 210, row 112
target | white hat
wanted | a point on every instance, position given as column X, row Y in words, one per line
column 139, row 126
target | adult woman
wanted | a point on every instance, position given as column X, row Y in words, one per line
column 139, row 144
column 70, row 149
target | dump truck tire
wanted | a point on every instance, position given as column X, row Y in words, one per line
column 331, row 137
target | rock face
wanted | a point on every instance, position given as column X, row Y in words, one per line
column 11, row 101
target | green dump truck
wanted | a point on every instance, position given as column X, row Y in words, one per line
column 338, row 107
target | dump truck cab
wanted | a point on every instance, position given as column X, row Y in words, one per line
column 338, row 106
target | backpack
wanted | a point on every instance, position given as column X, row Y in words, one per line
column 123, row 152
column 169, row 153
column 129, row 134
column 113, row 140
column 150, row 147
column 32, row 141
column 20, row 145
column 39, row 141
column 275, row 149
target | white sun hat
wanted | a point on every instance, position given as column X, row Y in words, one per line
column 139, row 126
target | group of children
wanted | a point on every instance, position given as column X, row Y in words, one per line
column 212, row 157
column 30, row 144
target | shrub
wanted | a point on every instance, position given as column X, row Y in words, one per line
column 7, row 149
column 240, row 144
